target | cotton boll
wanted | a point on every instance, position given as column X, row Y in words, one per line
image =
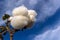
column 22, row 10
column 32, row 18
column 18, row 22
column 32, row 12
column 31, row 21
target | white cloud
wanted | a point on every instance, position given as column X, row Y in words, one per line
column 42, row 36
column 48, row 9
column 49, row 34
column 32, row 3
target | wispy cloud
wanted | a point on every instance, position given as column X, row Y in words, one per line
column 49, row 35
column 48, row 9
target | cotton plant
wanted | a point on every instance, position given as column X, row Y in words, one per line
column 22, row 17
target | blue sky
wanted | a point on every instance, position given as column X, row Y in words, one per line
column 47, row 26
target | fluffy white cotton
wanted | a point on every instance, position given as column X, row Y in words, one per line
column 32, row 18
column 18, row 22
column 22, row 17
column 32, row 12
column 22, row 10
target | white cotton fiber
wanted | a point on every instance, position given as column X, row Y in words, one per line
column 18, row 22
column 22, row 17
column 32, row 18
column 32, row 12
column 22, row 10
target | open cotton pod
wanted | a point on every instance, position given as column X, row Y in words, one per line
column 22, row 10
column 18, row 22
column 32, row 12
